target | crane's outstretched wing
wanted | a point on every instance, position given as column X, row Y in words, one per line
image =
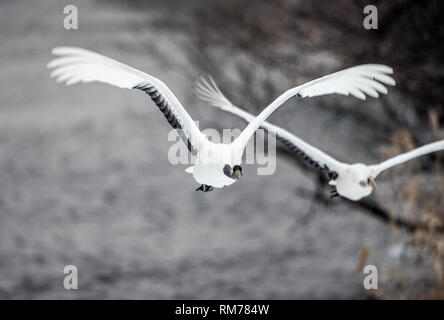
column 209, row 92
column 358, row 81
column 428, row 148
column 80, row 65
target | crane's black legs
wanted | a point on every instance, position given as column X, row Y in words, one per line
column 205, row 188
column 333, row 192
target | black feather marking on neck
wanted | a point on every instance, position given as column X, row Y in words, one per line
column 165, row 108
column 228, row 171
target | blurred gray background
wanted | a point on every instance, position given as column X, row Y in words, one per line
column 85, row 179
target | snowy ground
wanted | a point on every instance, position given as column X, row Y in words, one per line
column 84, row 180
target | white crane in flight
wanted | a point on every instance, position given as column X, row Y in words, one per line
column 351, row 181
column 217, row 164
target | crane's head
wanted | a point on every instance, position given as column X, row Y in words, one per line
column 356, row 182
column 234, row 172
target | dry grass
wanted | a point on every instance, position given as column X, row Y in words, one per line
column 421, row 201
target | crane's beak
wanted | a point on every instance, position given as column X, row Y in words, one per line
column 238, row 174
column 373, row 183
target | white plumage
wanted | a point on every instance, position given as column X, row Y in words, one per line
column 217, row 165
column 80, row 65
column 352, row 181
